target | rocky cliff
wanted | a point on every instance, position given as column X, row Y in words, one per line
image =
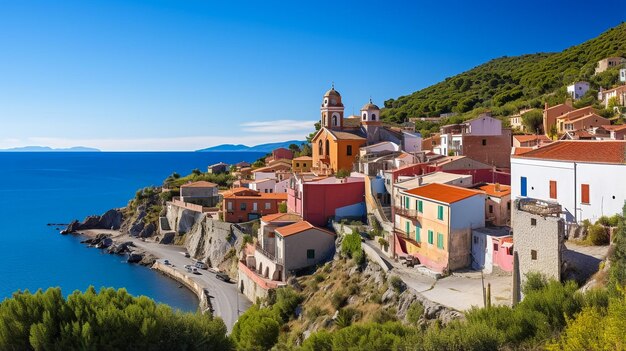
column 112, row 219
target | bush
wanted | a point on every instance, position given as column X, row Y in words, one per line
column 287, row 300
column 338, row 299
column 282, row 207
column 415, row 313
column 384, row 316
column 351, row 246
column 313, row 312
column 597, row 234
column 397, row 284
column 534, row 282
column 256, row 330
column 345, row 317
column 105, row 320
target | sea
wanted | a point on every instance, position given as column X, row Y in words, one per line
column 57, row 187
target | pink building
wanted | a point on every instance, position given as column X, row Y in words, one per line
column 492, row 247
column 281, row 154
column 317, row 200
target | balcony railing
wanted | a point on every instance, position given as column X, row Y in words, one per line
column 272, row 257
column 407, row 213
column 410, row 236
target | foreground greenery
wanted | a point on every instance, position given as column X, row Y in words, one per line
column 507, row 84
column 105, row 320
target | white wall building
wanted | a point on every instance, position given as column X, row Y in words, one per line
column 586, row 177
column 577, row 90
column 265, row 185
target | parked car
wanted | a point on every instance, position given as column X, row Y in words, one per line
column 222, row 276
column 201, row 265
column 188, row 267
column 186, row 254
column 194, row 270
column 166, row 262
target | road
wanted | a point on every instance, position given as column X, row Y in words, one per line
column 228, row 303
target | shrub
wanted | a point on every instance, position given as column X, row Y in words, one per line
column 384, row 316
column 415, row 313
column 287, row 300
column 597, row 234
column 351, row 245
column 313, row 312
column 256, row 329
column 345, row 317
column 534, row 282
column 397, row 284
column 282, row 207
column 338, row 299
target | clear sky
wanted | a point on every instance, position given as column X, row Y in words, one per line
column 183, row 75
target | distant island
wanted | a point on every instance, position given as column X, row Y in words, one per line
column 257, row 148
column 49, row 149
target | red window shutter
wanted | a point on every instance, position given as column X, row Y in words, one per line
column 553, row 189
column 584, row 190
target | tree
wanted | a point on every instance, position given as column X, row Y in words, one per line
column 318, row 126
column 532, row 121
column 294, row 148
column 256, row 330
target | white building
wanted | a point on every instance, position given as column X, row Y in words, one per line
column 265, row 185
column 586, row 177
column 577, row 90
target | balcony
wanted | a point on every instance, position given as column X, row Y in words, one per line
column 413, row 215
column 410, row 236
column 270, row 256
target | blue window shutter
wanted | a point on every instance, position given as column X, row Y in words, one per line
column 523, row 183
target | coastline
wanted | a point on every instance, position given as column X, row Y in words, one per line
column 213, row 295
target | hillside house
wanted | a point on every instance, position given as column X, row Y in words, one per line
column 577, row 90
column 200, row 193
column 243, row 204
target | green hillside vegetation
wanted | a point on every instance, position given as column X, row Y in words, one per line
column 105, row 320
column 507, row 84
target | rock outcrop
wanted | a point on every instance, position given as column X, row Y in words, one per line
column 111, row 219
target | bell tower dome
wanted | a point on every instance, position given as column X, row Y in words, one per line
column 332, row 109
column 370, row 114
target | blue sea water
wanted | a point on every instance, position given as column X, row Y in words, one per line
column 41, row 188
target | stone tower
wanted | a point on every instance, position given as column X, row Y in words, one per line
column 332, row 110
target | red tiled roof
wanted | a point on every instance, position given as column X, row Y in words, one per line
column 593, row 151
column 285, row 217
column 525, row 138
column 491, row 189
column 443, row 192
column 521, row 150
column 298, row 227
column 303, row 158
column 616, row 127
column 199, row 184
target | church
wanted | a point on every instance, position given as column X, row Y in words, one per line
column 336, row 145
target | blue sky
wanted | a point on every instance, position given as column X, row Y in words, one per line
column 182, row 75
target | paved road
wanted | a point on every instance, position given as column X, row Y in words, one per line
column 227, row 301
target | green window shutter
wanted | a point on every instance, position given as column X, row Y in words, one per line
column 408, row 228
column 418, row 231
column 440, row 240
column 406, row 202
column 440, row 213
column 430, row 237
column 420, row 206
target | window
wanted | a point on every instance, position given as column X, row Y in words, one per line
column 406, row 202
column 420, row 206
column 349, row 151
column 490, row 208
column 321, row 150
column 230, row 205
column 254, row 206
column 584, row 190
column 508, row 205
column 297, row 164
column 484, row 142
column 533, row 222
column 327, row 148
column 523, row 185
column 418, row 234
column 364, row 116
column 335, row 121
column 553, row 189
column 268, row 205
column 495, row 246
column 430, row 237
column 475, row 240
column 242, row 206
column 440, row 213
column 310, row 254
column 373, row 116
column 271, row 234
column 533, row 254
column 439, row 240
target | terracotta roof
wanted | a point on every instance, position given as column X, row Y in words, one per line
column 580, row 118
column 352, row 122
column 263, row 169
column 593, row 151
column 526, row 138
column 281, row 217
column 199, row 184
column 615, row 127
column 443, row 192
column 559, row 106
column 521, row 150
column 345, row 135
column 257, row 195
column 575, row 114
column 297, row 228
column 492, row 189
column 304, row 158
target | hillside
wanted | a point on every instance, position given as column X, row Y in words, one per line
column 257, row 148
column 505, row 84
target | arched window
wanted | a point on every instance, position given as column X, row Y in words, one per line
column 364, row 116
column 325, row 120
column 373, row 116
column 335, row 121
column 320, row 149
column 327, row 148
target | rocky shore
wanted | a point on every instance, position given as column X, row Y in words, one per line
column 120, row 246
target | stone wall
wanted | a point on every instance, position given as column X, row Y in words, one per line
column 204, row 301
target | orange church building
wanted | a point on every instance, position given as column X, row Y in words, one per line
column 334, row 146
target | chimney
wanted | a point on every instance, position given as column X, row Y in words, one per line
column 419, row 181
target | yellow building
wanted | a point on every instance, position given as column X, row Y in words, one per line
column 434, row 223
column 301, row 164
